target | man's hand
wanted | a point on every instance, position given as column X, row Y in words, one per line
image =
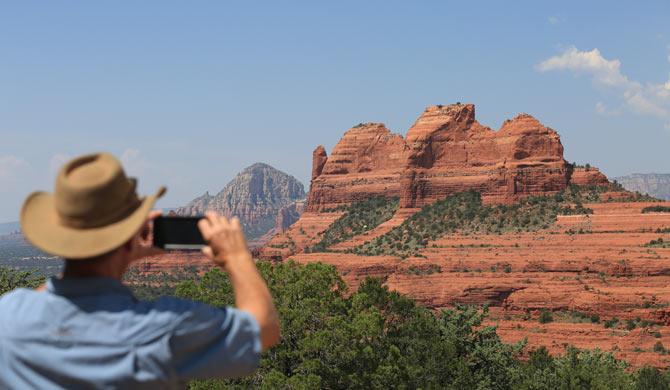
column 226, row 239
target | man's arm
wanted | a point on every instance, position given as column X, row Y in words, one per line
column 228, row 249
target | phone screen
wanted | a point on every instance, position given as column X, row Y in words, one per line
column 178, row 233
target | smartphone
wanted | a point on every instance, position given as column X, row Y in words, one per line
column 178, row 233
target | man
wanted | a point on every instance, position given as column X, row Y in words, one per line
column 86, row 330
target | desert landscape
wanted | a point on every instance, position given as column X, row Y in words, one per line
column 589, row 267
column 603, row 283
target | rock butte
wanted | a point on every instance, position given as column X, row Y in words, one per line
column 445, row 151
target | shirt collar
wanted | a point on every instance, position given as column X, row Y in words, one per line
column 86, row 286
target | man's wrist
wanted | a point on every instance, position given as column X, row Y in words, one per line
column 233, row 262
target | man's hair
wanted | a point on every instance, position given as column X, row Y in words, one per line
column 93, row 260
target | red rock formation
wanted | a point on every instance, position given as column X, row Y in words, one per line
column 588, row 177
column 367, row 162
column 319, row 158
column 445, row 151
column 451, row 152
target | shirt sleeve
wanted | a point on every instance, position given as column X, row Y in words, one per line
column 210, row 342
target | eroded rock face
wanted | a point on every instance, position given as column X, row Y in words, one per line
column 319, row 158
column 451, row 152
column 445, row 151
column 367, row 162
column 588, row 177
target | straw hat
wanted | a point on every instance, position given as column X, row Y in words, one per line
column 93, row 210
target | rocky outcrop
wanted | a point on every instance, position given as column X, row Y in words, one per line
column 288, row 215
column 654, row 184
column 256, row 196
column 319, row 158
column 451, row 152
column 367, row 162
column 588, row 177
column 445, row 151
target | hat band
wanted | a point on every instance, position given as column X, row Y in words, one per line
column 131, row 204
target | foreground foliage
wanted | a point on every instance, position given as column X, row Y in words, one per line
column 378, row 339
column 11, row 279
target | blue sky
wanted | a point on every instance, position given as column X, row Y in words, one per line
column 189, row 93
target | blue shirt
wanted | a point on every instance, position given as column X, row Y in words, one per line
column 92, row 333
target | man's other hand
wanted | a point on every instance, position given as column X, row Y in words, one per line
column 225, row 238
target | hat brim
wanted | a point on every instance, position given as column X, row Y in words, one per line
column 41, row 226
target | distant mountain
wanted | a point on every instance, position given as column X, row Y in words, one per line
column 255, row 196
column 9, row 227
column 654, row 184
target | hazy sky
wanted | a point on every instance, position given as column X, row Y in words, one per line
column 189, row 93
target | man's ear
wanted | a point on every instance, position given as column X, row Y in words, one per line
column 128, row 245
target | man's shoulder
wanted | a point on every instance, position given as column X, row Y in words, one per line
column 185, row 309
column 16, row 297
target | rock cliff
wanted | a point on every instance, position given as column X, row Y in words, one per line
column 445, row 151
column 256, row 196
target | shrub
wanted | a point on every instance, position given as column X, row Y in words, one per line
column 659, row 348
column 611, row 323
column 545, row 316
column 658, row 243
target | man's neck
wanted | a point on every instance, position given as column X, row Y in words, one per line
column 106, row 268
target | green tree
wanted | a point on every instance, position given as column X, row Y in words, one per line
column 11, row 279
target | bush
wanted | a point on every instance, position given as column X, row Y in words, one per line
column 659, row 348
column 658, row 243
column 545, row 316
column 611, row 323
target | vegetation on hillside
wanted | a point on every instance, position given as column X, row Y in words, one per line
column 358, row 218
column 658, row 243
column 464, row 212
column 656, row 209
